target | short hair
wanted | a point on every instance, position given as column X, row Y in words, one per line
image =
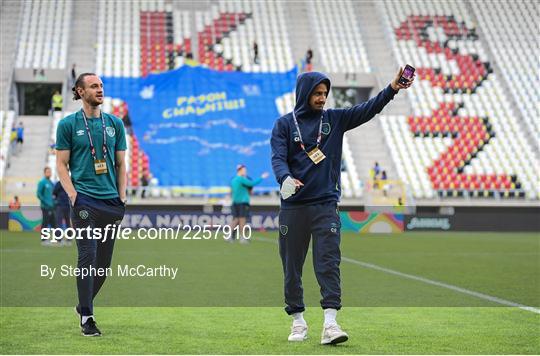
column 79, row 83
column 45, row 169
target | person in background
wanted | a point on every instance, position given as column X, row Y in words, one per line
column 145, row 181
column 57, row 101
column 20, row 136
column 52, row 147
column 376, row 170
column 309, row 60
column 73, row 74
column 15, row 204
column 13, row 140
column 62, row 209
column 255, row 52
column 45, row 195
column 375, row 175
column 240, row 189
column 384, row 184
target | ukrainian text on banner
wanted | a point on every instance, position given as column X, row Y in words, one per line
column 197, row 124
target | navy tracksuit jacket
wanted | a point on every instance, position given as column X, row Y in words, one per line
column 312, row 211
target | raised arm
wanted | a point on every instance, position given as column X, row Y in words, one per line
column 362, row 113
column 250, row 183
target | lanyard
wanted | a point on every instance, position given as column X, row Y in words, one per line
column 92, row 148
column 319, row 136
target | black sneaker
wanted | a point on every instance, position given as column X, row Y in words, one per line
column 89, row 328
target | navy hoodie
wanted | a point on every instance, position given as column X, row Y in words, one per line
column 321, row 181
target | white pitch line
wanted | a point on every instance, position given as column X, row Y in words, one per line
column 432, row 282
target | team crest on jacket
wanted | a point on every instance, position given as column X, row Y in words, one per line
column 325, row 130
column 110, row 131
column 83, row 214
column 283, row 229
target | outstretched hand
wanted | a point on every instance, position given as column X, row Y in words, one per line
column 396, row 85
column 290, row 186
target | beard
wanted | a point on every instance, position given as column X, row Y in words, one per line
column 93, row 101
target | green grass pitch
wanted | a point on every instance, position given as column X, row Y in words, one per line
column 413, row 293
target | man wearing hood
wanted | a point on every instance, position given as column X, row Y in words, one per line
column 306, row 160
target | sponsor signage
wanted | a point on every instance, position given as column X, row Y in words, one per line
column 429, row 222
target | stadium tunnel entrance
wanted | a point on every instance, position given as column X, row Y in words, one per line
column 35, row 98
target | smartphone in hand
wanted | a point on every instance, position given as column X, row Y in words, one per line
column 407, row 74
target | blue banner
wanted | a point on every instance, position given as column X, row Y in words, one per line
column 197, row 124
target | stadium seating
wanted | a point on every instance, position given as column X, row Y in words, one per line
column 463, row 138
column 158, row 47
column 226, row 35
column 44, row 34
column 154, row 42
column 162, row 39
column 7, row 119
column 511, row 31
column 136, row 160
column 339, row 41
column 51, row 157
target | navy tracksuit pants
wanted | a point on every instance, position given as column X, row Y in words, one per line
column 96, row 213
column 321, row 224
column 48, row 219
column 62, row 216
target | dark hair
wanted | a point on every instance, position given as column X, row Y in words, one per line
column 79, row 83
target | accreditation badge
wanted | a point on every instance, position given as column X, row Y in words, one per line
column 100, row 165
column 316, row 155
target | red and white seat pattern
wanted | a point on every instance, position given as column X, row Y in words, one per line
column 137, row 38
column 511, row 31
column 462, row 138
column 137, row 161
column 231, row 27
column 212, row 34
column 158, row 49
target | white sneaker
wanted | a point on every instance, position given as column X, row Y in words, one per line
column 298, row 332
column 332, row 334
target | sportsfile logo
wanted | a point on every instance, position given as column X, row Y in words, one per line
column 116, row 232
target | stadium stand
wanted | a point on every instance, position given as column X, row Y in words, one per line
column 457, row 97
column 339, row 41
column 7, row 120
column 44, row 34
column 511, row 32
column 51, row 157
column 468, row 135
column 226, row 35
column 118, row 39
column 10, row 17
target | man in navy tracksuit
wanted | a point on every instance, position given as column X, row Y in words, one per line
column 306, row 159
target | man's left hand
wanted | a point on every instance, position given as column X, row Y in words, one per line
column 396, row 85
